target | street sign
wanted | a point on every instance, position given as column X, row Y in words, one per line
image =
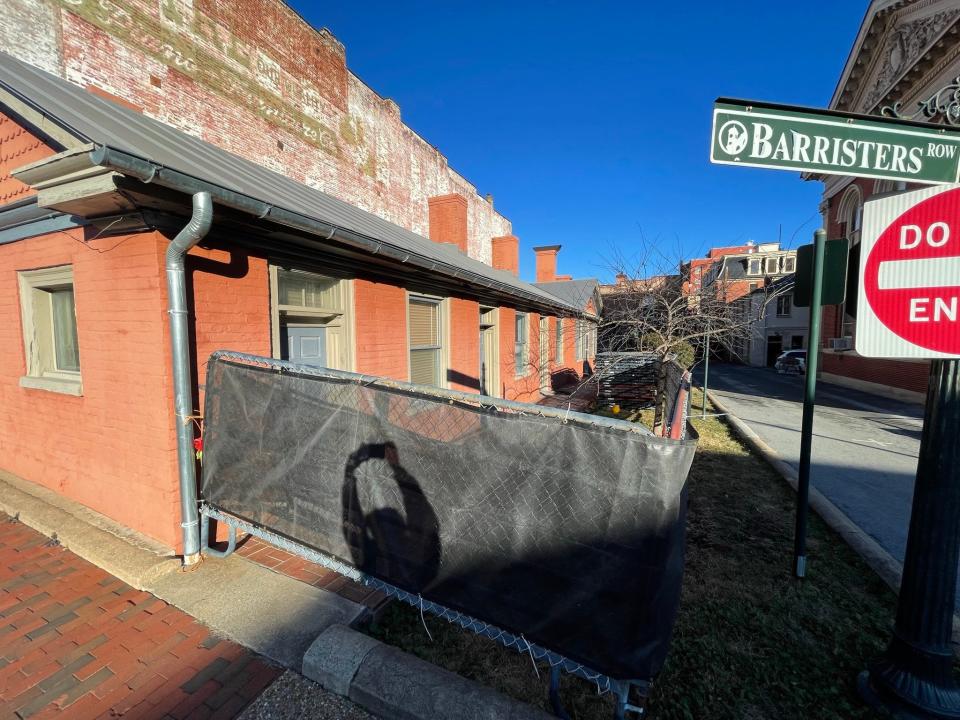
column 785, row 137
column 835, row 253
column 909, row 304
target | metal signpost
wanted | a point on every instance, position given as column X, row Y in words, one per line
column 908, row 307
column 809, row 397
column 820, row 280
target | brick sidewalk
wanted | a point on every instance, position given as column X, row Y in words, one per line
column 256, row 550
column 77, row 643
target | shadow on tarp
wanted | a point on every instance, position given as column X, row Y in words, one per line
column 565, row 529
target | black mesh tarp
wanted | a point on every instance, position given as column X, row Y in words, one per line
column 564, row 528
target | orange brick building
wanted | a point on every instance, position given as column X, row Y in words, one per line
column 359, row 250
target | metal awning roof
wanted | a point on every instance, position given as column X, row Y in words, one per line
column 136, row 145
column 573, row 292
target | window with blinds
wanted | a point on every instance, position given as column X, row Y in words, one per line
column 586, row 339
column 521, row 346
column 307, row 291
column 559, row 351
column 425, row 341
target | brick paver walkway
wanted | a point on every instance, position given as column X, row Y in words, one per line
column 256, row 550
column 580, row 400
column 77, row 643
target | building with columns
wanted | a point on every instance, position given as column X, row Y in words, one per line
column 905, row 61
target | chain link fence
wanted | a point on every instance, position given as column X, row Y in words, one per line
column 556, row 533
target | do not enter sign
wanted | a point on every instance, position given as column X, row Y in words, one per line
column 909, row 303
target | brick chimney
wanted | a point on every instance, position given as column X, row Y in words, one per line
column 506, row 254
column 546, row 262
column 448, row 219
column 564, row 277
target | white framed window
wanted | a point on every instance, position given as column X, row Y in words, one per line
column 790, row 263
column 784, row 305
column 772, row 265
column 850, row 216
column 850, row 213
column 586, row 338
column 425, row 327
column 51, row 349
column 558, row 351
column 521, row 344
column 311, row 321
column 753, row 266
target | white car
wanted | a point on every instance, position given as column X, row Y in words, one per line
column 792, row 361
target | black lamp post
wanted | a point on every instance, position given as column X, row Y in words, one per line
column 914, row 676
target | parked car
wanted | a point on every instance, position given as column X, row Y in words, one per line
column 791, row 361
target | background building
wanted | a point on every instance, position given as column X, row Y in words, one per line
column 905, row 53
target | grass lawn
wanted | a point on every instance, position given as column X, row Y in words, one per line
column 750, row 641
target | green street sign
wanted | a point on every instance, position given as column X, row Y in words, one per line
column 835, row 254
column 783, row 137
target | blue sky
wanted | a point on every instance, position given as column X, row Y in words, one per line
column 589, row 121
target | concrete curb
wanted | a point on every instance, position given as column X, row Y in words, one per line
column 273, row 614
column 133, row 558
column 880, row 561
column 394, row 684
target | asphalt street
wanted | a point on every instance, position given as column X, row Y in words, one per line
column 865, row 446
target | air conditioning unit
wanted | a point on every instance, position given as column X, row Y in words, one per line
column 841, row 343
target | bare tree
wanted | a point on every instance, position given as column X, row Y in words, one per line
column 659, row 306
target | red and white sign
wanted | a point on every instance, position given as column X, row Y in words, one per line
column 909, row 301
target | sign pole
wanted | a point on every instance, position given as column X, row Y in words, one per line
column 914, row 676
column 809, row 396
column 706, row 374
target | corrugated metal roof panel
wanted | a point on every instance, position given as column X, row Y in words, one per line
column 97, row 120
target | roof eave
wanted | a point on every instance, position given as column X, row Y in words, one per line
column 92, row 160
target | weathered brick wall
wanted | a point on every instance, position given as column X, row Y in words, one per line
column 112, row 449
column 254, row 78
column 911, row 376
column 231, row 304
column 380, row 315
column 527, row 387
column 464, row 371
column 17, row 148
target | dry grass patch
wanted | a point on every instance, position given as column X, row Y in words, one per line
column 750, row 641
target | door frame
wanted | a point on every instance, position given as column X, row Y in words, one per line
column 489, row 326
column 543, row 356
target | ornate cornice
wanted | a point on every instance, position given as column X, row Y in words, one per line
column 864, row 55
column 943, row 105
column 909, row 49
column 896, row 46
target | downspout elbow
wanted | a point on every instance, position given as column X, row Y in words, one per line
column 193, row 232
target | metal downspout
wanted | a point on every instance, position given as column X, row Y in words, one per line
column 192, row 233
